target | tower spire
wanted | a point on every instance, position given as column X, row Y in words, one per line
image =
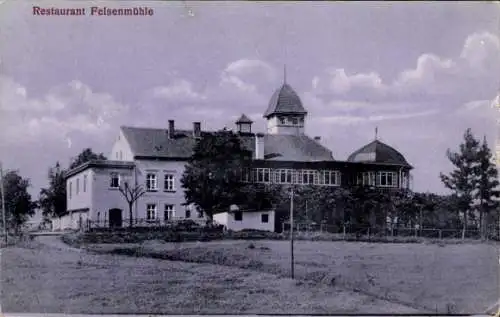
column 284, row 74
column 376, row 133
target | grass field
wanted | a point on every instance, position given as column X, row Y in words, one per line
column 50, row 277
column 460, row 278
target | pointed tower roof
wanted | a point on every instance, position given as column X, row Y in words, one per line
column 285, row 101
column 244, row 119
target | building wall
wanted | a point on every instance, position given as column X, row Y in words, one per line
column 161, row 197
column 275, row 127
column 250, row 220
column 105, row 197
column 82, row 198
column 121, row 150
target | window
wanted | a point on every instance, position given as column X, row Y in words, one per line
column 77, row 186
column 151, row 182
column 282, row 176
column 84, row 183
column 264, row 218
column 387, row 179
column 121, row 155
column 70, row 189
column 188, row 213
column 308, row 177
column 238, row 216
column 366, row 179
column 115, row 180
column 200, row 213
column 168, row 212
column 169, row 183
column 282, row 120
column 295, row 121
column 151, row 212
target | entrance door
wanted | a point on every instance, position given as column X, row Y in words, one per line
column 115, row 217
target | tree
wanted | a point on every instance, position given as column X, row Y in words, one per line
column 462, row 180
column 18, row 203
column 212, row 178
column 53, row 199
column 487, row 193
column 131, row 195
column 85, row 156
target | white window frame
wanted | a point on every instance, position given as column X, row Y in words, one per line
column 151, row 183
column 369, row 178
column 151, row 208
column 384, row 175
column 114, row 175
column 169, row 182
column 169, row 210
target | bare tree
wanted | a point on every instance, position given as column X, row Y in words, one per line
column 131, row 195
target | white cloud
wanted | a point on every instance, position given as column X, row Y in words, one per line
column 245, row 67
column 179, row 90
column 65, row 109
column 470, row 75
column 349, row 120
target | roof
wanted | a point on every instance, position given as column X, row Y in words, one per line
column 155, row 143
column 294, row 148
column 244, row 119
column 285, row 101
column 151, row 142
column 99, row 164
column 378, row 152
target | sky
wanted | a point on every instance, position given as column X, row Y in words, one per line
column 422, row 72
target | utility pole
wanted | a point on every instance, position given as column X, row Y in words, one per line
column 3, row 204
column 291, row 233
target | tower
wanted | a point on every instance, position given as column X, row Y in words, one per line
column 285, row 113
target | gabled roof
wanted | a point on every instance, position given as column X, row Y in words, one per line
column 285, row 101
column 378, row 152
column 244, row 119
column 155, row 143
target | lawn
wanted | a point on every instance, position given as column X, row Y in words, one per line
column 457, row 278
column 50, row 277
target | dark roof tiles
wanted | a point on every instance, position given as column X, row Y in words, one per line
column 244, row 119
column 148, row 142
column 378, row 152
column 285, row 101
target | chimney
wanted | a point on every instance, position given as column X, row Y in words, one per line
column 317, row 138
column 171, row 129
column 259, row 146
column 196, row 129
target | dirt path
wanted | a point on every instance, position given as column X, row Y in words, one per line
column 47, row 276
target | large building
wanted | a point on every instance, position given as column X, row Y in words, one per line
column 155, row 159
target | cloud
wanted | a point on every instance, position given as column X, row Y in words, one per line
column 473, row 74
column 179, row 90
column 62, row 111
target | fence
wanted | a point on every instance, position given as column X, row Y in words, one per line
column 141, row 223
column 346, row 230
